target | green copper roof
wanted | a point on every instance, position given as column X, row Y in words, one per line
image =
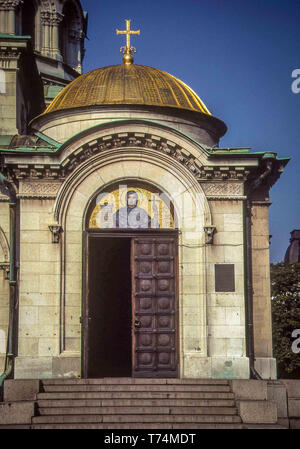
column 13, row 36
column 5, row 141
column 52, row 91
column 45, row 144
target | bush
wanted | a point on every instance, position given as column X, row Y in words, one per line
column 285, row 291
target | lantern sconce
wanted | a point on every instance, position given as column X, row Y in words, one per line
column 56, row 230
column 209, row 234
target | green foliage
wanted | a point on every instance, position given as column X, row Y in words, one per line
column 285, row 291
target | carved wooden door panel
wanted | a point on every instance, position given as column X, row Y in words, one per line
column 154, row 308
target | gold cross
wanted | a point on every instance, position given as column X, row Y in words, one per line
column 128, row 49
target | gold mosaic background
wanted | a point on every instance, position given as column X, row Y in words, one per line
column 117, row 198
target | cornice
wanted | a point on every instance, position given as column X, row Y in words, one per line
column 121, row 141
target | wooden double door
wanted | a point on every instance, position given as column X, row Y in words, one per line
column 130, row 310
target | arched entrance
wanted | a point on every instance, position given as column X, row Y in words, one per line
column 130, row 309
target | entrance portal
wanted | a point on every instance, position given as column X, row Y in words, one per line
column 131, row 309
column 109, row 320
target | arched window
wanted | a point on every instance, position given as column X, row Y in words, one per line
column 27, row 20
column 69, row 35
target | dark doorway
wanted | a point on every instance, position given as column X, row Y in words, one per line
column 110, row 311
column 130, row 309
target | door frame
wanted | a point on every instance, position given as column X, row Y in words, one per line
column 84, row 319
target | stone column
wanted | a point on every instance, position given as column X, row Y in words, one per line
column 2, row 19
column 55, row 50
column 9, row 63
column 8, row 15
column 45, row 20
column 11, row 21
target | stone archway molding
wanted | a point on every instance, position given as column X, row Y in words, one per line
column 131, row 139
column 134, row 155
column 134, row 164
column 4, row 257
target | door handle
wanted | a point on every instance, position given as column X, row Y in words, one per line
column 137, row 323
column 81, row 319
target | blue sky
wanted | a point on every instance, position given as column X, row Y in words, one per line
column 238, row 56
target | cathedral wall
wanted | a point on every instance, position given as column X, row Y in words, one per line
column 226, row 310
column 38, row 340
column 51, row 293
column 211, row 325
column 212, row 333
column 4, row 283
column 262, row 317
column 8, row 102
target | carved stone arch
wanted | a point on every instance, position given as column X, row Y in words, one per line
column 4, row 253
column 170, row 151
column 77, row 5
column 171, row 171
column 136, row 164
column 71, row 33
column 132, row 133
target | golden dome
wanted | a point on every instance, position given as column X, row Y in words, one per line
column 128, row 85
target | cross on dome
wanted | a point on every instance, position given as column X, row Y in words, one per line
column 128, row 50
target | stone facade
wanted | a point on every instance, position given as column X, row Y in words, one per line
column 212, row 332
column 4, row 295
column 73, row 155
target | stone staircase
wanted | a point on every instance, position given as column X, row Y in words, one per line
column 126, row 403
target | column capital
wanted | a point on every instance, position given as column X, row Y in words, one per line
column 45, row 17
column 10, row 4
column 9, row 57
column 56, row 18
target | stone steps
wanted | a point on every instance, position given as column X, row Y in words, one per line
column 147, row 418
column 135, row 395
column 169, row 426
column 147, row 410
column 135, row 426
column 42, row 403
column 127, row 403
column 149, row 387
column 134, row 381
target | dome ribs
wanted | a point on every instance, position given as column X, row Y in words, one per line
column 133, row 84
